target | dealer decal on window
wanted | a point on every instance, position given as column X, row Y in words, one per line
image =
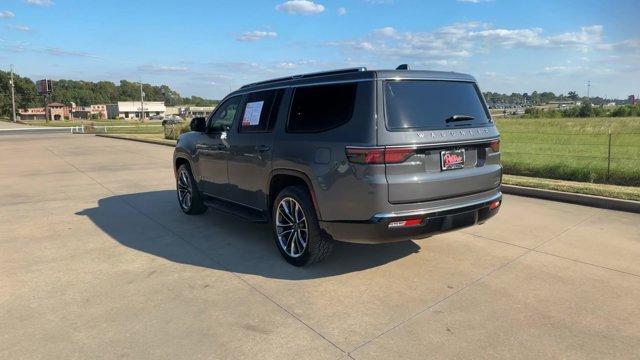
column 252, row 113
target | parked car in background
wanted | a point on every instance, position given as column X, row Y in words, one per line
column 172, row 119
column 351, row 155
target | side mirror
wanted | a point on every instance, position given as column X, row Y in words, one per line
column 198, row 124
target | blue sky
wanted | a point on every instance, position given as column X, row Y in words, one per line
column 206, row 48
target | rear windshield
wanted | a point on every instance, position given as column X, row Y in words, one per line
column 428, row 104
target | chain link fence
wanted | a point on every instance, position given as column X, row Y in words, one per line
column 612, row 158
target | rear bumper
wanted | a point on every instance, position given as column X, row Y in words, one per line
column 434, row 221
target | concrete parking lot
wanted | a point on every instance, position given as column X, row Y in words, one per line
column 97, row 261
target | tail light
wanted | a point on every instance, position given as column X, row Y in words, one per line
column 495, row 145
column 494, row 205
column 369, row 155
column 379, row 155
column 397, row 155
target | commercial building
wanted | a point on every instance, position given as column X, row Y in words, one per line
column 196, row 111
column 564, row 103
column 32, row 114
column 81, row 112
column 172, row 110
column 99, row 111
column 133, row 109
column 57, row 111
column 89, row 112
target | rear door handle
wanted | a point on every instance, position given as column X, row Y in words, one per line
column 263, row 148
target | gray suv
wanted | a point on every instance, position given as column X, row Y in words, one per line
column 351, row 155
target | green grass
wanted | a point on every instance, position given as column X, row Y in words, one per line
column 572, row 149
column 612, row 191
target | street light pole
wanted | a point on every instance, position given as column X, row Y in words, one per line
column 142, row 102
column 13, row 97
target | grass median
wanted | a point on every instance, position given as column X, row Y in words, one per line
column 611, row 191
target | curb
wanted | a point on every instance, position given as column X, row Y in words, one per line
column 148, row 141
column 574, row 198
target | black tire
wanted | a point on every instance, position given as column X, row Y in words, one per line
column 318, row 243
column 188, row 188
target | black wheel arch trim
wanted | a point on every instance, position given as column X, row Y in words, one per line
column 182, row 154
column 304, row 177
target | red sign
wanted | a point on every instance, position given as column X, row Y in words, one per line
column 44, row 86
column 452, row 159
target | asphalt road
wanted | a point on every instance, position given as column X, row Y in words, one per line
column 97, row 261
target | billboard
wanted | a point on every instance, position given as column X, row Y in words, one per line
column 44, row 86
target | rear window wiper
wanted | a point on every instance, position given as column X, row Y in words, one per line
column 459, row 118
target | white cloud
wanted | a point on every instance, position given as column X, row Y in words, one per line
column 342, row 11
column 20, row 47
column 39, row 2
column 158, row 69
column 465, row 39
column 22, row 28
column 380, row 1
column 173, row 68
column 257, row 35
column 385, row 31
column 56, row 51
column 6, row 14
column 286, row 65
column 304, row 7
column 577, row 70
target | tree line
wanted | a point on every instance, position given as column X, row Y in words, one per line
column 540, row 98
column 584, row 110
column 85, row 93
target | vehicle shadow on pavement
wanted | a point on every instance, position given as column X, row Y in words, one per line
column 153, row 223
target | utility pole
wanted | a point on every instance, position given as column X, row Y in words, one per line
column 589, row 91
column 13, row 96
column 142, row 102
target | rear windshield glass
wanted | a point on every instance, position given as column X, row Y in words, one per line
column 428, row 104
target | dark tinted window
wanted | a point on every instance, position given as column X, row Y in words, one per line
column 428, row 104
column 319, row 108
column 223, row 115
column 260, row 111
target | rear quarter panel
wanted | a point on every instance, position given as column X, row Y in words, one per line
column 344, row 191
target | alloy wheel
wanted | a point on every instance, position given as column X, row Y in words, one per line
column 291, row 227
column 185, row 192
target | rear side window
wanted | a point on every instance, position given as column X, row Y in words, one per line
column 260, row 111
column 428, row 104
column 320, row 108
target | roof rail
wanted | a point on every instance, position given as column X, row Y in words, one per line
column 305, row 76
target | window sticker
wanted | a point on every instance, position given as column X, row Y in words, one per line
column 252, row 113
